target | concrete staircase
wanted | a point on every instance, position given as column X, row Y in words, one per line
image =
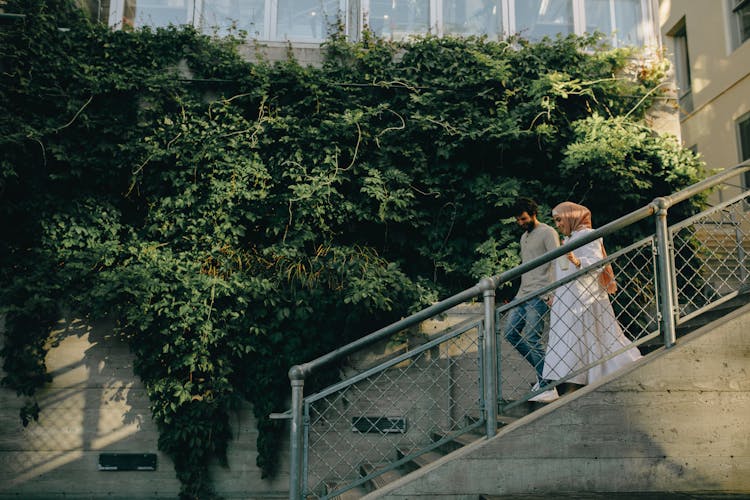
column 415, row 463
column 516, row 417
column 676, row 421
column 447, row 445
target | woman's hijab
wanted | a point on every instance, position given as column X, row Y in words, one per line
column 574, row 217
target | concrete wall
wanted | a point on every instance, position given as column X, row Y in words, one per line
column 96, row 405
column 674, row 421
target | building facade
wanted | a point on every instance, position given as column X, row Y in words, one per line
column 710, row 46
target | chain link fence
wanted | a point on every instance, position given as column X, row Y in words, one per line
column 711, row 256
column 366, row 425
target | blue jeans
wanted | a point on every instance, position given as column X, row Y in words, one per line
column 529, row 315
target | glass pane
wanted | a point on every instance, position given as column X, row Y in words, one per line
column 744, row 20
column 598, row 16
column 539, row 18
column 682, row 62
column 155, row 13
column 745, row 138
column 682, row 72
column 472, row 17
column 744, row 132
column 221, row 16
column 399, row 18
column 307, row 20
column 629, row 23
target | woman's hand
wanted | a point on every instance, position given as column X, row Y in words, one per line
column 573, row 259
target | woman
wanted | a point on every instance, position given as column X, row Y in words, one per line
column 583, row 327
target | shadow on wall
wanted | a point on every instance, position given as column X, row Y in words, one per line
column 93, row 405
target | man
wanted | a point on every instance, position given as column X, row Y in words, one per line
column 538, row 238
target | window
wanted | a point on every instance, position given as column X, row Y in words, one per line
column 247, row 15
column 399, row 18
column 299, row 20
column 743, row 136
column 628, row 22
column 535, row 19
column 682, row 69
column 473, row 17
column 740, row 21
column 622, row 20
column 157, row 12
column 306, row 20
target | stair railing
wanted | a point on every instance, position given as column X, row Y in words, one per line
column 666, row 283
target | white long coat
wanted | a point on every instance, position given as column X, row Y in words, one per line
column 583, row 327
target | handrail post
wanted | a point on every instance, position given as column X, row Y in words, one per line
column 490, row 357
column 739, row 237
column 297, row 379
column 666, row 272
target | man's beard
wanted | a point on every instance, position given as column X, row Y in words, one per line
column 528, row 227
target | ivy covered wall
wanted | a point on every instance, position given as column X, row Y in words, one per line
column 235, row 218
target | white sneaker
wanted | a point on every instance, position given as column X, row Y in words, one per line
column 544, row 397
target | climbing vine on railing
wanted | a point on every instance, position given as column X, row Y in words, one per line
column 236, row 218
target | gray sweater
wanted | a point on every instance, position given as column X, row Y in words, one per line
column 539, row 241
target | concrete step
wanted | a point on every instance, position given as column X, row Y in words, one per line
column 418, row 461
column 455, row 443
column 703, row 319
column 504, row 419
column 415, row 463
column 518, row 411
column 381, row 479
column 352, row 494
column 714, row 313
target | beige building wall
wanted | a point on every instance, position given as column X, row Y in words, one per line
column 720, row 79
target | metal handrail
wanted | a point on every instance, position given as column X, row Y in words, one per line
column 299, row 372
column 452, row 333
column 486, row 288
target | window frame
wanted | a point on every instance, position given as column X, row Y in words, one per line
column 513, row 24
column 682, row 72
column 743, row 149
column 355, row 14
column 735, row 22
column 613, row 36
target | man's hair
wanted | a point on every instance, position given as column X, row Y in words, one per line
column 525, row 205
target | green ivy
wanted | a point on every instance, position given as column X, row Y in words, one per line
column 236, row 218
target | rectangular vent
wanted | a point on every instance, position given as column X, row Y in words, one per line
column 379, row 425
column 127, row 461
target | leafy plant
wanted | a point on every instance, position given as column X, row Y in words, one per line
column 236, row 218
